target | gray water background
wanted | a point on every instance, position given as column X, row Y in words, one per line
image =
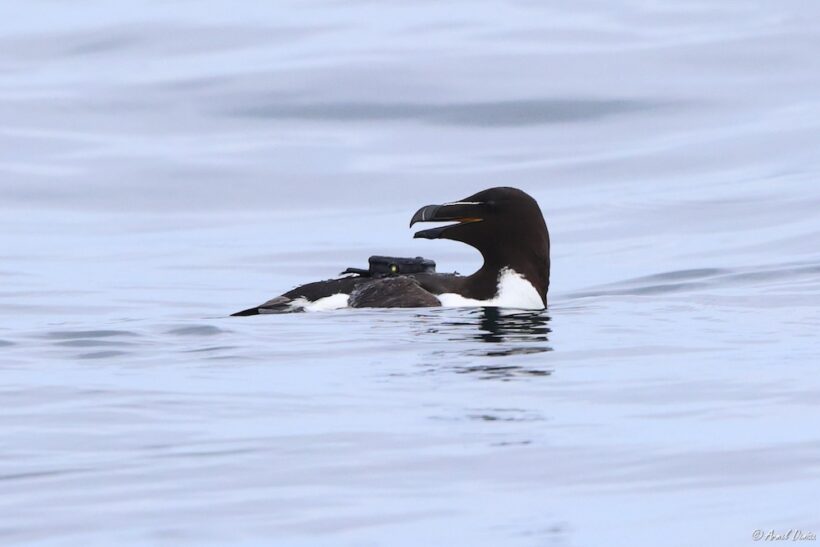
column 163, row 164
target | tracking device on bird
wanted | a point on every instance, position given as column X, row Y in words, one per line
column 393, row 265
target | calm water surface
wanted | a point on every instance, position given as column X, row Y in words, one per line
column 163, row 164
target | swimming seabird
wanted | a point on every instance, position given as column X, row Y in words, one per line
column 504, row 224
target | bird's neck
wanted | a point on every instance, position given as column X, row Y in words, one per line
column 483, row 284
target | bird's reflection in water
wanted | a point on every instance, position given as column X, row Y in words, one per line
column 509, row 334
column 496, row 326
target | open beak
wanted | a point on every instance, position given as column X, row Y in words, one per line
column 460, row 212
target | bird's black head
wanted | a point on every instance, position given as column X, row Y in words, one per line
column 504, row 224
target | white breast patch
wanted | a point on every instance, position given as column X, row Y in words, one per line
column 514, row 291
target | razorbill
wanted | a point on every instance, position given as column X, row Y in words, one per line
column 504, row 224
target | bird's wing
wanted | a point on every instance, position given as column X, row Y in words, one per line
column 392, row 292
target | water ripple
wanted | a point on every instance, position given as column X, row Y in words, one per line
column 197, row 330
column 525, row 112
column 69, row 335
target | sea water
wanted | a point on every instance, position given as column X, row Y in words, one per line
column 164, row 164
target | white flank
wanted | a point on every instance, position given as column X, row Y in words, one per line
column 513, row 292
column 333, row 302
